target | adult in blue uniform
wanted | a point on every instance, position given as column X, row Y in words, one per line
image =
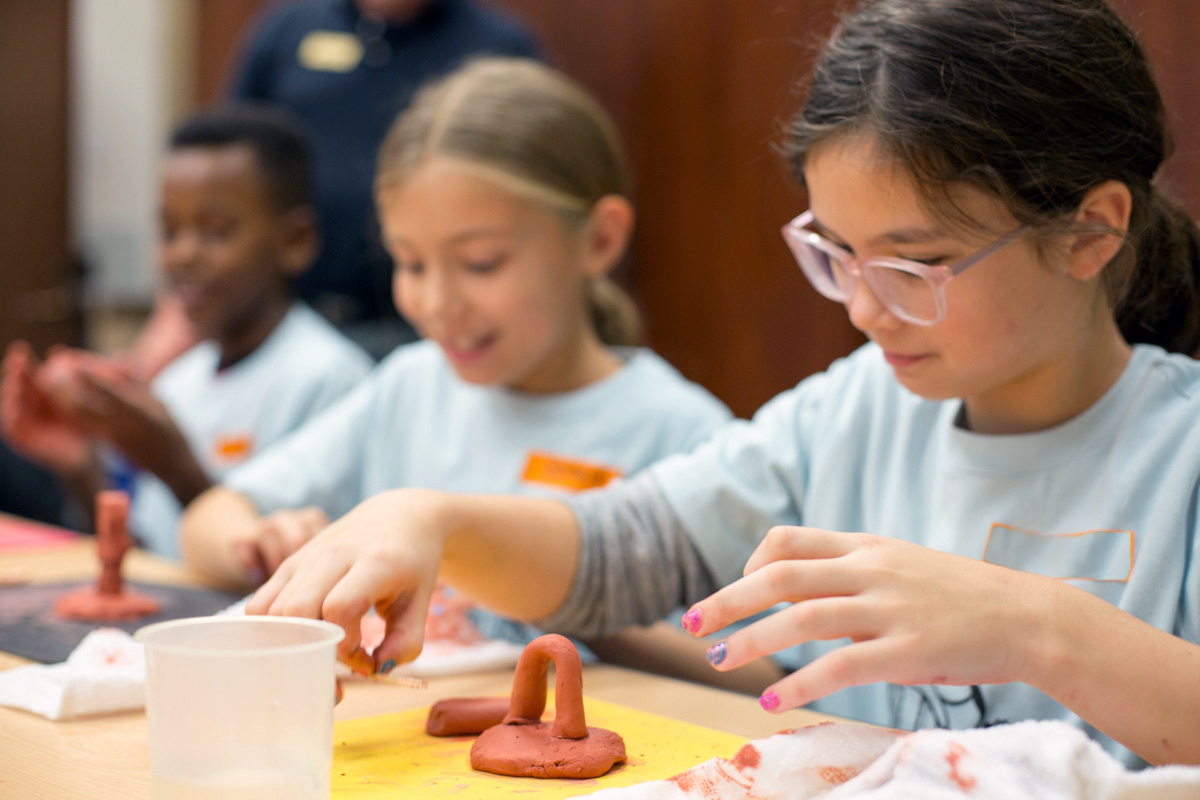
column 347, row 68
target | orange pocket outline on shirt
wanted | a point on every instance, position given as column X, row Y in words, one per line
column 1062, row 537
column 572, row 474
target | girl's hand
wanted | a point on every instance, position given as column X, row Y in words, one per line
column 279, row 535
column 384, row 554
column 913, row 615
column 32, row 422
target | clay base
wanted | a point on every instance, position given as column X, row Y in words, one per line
column 88, row 603
column 530, row 751
column 465, row 716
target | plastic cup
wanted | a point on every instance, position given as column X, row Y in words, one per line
column 240, row 707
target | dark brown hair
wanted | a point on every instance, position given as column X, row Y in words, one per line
column 1034, row 101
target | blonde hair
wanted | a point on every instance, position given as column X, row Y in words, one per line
column 535, row 132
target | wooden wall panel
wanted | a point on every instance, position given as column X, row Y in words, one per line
column 1170, row 33
column 220, row 26
column 700, row 90
column 38, row 276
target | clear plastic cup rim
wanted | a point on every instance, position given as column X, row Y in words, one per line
column 333, row 635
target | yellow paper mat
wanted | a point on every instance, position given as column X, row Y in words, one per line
column 391, row 756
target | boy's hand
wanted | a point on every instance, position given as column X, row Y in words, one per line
column 122, row 411
column 32, row 422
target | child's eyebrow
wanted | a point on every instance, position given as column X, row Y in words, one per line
column 898, row 236
column 461, row 236
column 476, row 233
column 909, row 236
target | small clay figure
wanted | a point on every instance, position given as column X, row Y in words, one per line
column 108, row 599
column 523, row 745
column 466, row 716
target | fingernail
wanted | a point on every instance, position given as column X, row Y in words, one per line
column 716, row 653
column 769, row 701
column 388, row 666
column 691, row 620
column 255, row 576
column 337, row 691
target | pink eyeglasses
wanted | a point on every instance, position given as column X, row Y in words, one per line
column 913, row 291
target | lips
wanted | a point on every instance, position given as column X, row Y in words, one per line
column 467, row 350
column 191, row 295
column 901, row 360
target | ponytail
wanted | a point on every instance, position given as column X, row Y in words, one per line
column 614, row 315
column 1161, row 304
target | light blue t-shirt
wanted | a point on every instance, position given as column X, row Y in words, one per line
column 1106, row 501
column 415, row 423
column 227, row 416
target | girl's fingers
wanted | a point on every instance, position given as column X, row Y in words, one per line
column 280, row 535
column 250, row 561
column 272, row 546
column 307, row 583
column 811, row 620
column 852, row 665
column 345, row 603
column 315, row 519
column 349, row 650
column 790, row 542
column 266, row 595
column 777, row 582
column 405, row 632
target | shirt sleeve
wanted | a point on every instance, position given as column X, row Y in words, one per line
column 336, row 384
column 636, row 563
column 748, row 477
column 320, row 464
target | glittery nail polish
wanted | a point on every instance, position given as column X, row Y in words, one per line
column 716, row 653
column 691, row 620
column 769, row 701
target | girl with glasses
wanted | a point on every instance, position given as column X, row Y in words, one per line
column 987, row 513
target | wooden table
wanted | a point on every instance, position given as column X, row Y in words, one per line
column 106, row 757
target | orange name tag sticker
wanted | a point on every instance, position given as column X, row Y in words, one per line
column 1099, row 555
column 565, row 473
column 233, row 447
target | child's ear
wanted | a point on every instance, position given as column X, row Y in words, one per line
column 1106, row 208
column 298, row 239
column 610, row 226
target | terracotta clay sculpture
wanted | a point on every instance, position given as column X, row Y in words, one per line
column 108, row 599
column 465, row 716
column 523, row 745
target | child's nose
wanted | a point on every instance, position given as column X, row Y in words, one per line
column 440, row 295
column 866, row 312
column 181, row 250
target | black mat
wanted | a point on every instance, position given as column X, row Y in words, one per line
column 30, row 628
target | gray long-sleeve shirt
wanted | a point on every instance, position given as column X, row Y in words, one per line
column 636, row 562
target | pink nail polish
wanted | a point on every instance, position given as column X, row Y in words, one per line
column 691, row 620
column 769, row 701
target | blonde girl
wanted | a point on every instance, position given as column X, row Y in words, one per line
column 503, row 201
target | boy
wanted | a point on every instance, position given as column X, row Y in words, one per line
column 237, row 228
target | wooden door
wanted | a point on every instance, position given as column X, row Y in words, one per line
column 39, row 279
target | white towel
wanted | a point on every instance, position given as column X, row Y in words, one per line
column 105, row 673
column 1027, row 760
